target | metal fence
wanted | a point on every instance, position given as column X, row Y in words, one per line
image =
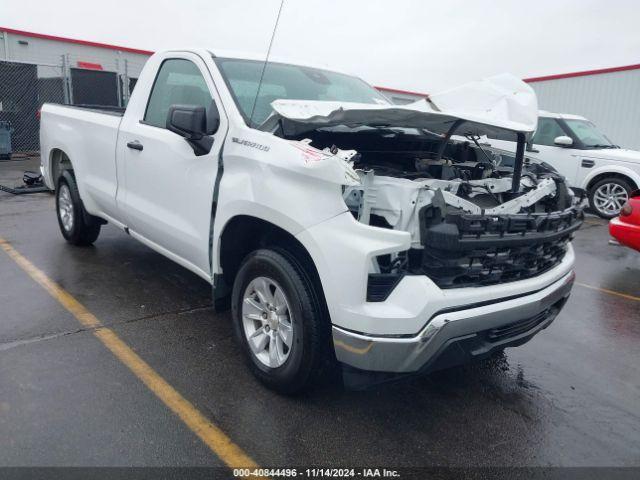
column 24, row 87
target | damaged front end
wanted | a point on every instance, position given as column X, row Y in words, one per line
column 476, row 216
column 468, row 225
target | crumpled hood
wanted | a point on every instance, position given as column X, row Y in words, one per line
column 495, row 104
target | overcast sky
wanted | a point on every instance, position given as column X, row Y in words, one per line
column 423, row 46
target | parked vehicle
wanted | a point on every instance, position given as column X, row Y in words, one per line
column 586, row 157
column 626, row 228
column 336, row 225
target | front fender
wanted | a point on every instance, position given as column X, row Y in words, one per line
column 609, row 169
column 278, row 181
column 342, row 250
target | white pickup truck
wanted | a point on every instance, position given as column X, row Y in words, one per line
column 334, row 224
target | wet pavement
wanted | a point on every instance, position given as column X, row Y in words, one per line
column 570, row 397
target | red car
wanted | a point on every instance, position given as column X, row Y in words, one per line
column 626, row 227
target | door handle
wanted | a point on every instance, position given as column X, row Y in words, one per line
column 588, row 163
column 135, row 145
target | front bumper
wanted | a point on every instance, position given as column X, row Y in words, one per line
column 452, row 337
column 626, row 233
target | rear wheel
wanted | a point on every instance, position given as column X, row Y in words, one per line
column 607, row 196
column 76, row 225
column 278, row 321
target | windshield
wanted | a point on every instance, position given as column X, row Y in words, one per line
column 292, row 82
column 588, row 134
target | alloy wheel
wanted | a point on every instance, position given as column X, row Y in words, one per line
column 609, row 198
column 65, row 207
column 267, row 321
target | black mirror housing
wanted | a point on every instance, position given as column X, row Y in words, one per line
column 195, row 124
column 188, row 121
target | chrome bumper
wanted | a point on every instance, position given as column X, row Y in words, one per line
column 471, row 331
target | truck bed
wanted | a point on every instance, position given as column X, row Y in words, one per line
column 106, row 109
column 88, row 136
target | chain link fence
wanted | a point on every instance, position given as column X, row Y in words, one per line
column 24, row 87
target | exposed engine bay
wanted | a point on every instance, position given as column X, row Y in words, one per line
column 469, row 225
column 477, row 216
column 400, row 174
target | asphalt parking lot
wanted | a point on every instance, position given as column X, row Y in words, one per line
column 570, row 397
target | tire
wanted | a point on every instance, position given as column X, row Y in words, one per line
column 608, row 195
column 284, row 367
column 76, row 225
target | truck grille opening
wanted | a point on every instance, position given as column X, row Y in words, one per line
column 514, row 329
column 471, row 250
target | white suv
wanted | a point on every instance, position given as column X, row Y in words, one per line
column 586, row 157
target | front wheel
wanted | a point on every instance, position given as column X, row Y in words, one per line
column 76, row 225
column 278, row 321
column 607, row 196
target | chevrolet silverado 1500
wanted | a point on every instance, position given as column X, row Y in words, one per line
column 334, row 224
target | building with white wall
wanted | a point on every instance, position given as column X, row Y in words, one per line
column 37, row 68
column 37, row 48
column 49, row 50
column 77, row 71
column 609, row 97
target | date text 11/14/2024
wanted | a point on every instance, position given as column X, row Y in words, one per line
column 317, row 472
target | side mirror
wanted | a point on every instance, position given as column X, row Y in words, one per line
column 563, row 141
column 188, row 121
column 195, row 124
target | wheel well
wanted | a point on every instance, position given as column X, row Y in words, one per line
column 244, row 234
column 59, row 162
column 602, row 176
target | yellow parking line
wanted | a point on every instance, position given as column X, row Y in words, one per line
column 219, row 443
column 610, row 292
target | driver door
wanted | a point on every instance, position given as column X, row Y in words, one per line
column 168, row 189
